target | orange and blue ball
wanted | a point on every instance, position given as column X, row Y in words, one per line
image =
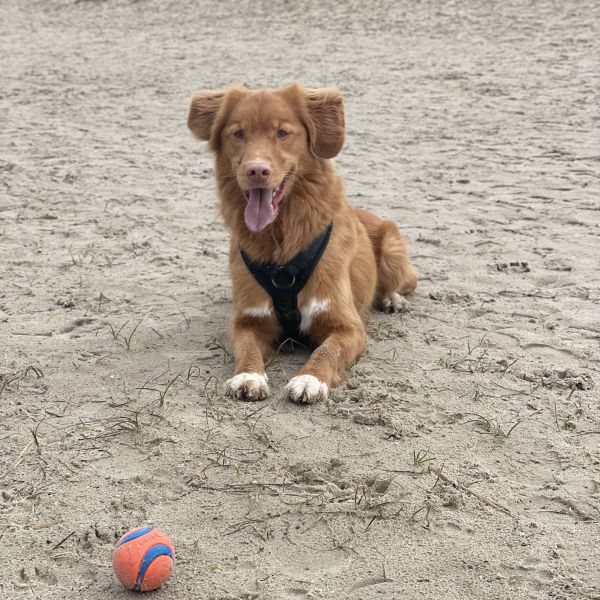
column 143, row 559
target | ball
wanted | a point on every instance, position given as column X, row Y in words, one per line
column 143, row 559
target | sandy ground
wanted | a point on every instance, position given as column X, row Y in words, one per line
column 475, row 127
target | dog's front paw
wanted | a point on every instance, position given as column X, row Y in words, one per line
column 306, row 389
column 395, row 302
column 248, row 386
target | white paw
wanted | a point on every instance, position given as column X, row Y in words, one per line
column 306, row 389
column 395, row 303
column 248, row 386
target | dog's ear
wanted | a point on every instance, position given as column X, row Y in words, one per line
column 325, row 123
column 203, row 111
column 209, row 112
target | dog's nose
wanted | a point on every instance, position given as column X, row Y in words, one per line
column 258, row 173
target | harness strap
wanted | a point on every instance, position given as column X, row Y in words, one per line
column 284, row 282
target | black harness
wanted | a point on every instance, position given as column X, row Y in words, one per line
column 284, row 282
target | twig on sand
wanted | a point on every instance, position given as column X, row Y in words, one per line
column 57, row 546
column 33, row 592
column 462, row 488
column 16, row 463
column 371, row 581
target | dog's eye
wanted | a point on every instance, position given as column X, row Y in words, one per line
column 238, row 134
column 282, row 134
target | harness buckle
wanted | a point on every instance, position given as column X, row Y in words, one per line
column 281, row 279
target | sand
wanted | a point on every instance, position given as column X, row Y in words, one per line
column 475, row 127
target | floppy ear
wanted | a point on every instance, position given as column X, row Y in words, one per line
column 209, row 112
column 203, row 111
column 325, row 123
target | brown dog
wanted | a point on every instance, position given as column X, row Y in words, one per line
column 278, row 193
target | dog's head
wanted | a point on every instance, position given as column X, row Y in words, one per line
column 268, row 140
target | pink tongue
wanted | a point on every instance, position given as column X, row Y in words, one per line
column 259, row 211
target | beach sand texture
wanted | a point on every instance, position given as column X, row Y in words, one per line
column 460, row 460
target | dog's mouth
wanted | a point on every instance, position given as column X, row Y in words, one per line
column 262, row 204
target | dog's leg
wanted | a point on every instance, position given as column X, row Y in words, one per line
column 327, row 365
column 395, row 275
column 251, row 341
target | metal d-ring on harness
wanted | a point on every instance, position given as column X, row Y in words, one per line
column 284, row 282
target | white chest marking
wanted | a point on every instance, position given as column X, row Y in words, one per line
column 258, row 311
column 310, row 310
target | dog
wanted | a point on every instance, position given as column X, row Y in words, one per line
column 303, row 262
